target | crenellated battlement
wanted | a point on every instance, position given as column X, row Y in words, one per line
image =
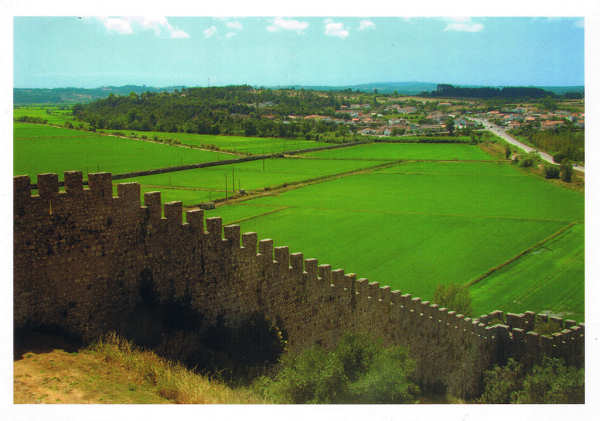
column 84, row 260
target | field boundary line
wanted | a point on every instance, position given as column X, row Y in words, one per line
column 293, row 185
column 248, row 218
column 404, row 160
column 518, row 256
column 451, row 215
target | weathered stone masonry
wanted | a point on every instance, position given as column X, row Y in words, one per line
column 82, row 257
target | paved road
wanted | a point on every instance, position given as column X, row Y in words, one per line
column 499, row 131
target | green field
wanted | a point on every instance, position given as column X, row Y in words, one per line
column 39, row 149
column 447, row 214
column 548, row 278
column 241, row 144
column 407, row 151
column 206, row 184
column 416, row 225
column 57, row 115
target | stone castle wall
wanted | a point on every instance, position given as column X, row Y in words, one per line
column 84, row 259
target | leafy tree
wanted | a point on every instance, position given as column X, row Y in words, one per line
column 455, row 297
column 502, row 382
column 450, row 126
column 566, row 170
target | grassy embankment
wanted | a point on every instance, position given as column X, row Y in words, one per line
column 113, row 371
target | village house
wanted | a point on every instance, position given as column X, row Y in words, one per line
column 550, row 124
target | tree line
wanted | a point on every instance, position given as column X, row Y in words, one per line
column 508, row 92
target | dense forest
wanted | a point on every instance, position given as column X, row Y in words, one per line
column 218, row 110
column 450, row 91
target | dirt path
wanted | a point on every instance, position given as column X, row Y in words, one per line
column 500, row 132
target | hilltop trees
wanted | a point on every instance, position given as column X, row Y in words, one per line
column 239, row 110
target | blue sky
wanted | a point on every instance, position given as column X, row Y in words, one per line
column 194, row 51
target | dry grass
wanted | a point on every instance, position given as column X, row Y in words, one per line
column 113, row 371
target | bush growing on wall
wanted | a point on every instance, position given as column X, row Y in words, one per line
column 454, row 297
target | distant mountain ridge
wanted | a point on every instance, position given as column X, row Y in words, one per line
column 22, row 96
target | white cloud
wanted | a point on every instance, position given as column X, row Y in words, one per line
column 335, row 29
column 126, row 25
column 234, row 25
column 178, row 33
column 463, row 25
column 230, row 34
column 122, row 26
column 209, row 32
column 366, row 24
column 287, row 25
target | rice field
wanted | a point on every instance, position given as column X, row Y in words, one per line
column 416, row 225
column 405, row 151
column 239, row 144
column 411, row 216
column 40, row 149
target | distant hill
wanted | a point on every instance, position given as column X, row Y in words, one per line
column 403, row 88
column 22, row 96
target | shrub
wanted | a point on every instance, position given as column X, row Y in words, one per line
column 551, row 171
column 550, row 382
column 455, row 297
column 528, row 160
column 559, row 157
column 358, row 370
column 386, row 381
